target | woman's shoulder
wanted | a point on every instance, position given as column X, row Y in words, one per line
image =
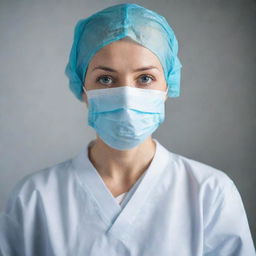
column 198, row 172
column 42, row 180
column 210, row 185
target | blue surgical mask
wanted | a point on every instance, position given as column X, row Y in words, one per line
column 125, row 116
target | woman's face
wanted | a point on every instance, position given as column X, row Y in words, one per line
column 118, row 63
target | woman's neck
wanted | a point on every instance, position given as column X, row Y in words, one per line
column 121, row 166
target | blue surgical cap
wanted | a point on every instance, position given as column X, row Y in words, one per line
column 142, row 25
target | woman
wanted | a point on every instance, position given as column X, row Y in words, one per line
column 125, row 193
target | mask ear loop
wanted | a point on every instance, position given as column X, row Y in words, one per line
column 166, row 92
column 86, row 94
column 84, row 90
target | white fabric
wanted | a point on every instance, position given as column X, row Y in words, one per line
column 120, row 197
column 177, row 207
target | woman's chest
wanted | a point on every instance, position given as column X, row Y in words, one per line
column 159, row 225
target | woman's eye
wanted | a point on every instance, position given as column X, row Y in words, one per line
column 146, row 80
column 108, row 80
column 105, row 79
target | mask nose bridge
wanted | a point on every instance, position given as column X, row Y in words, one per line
column 166, row 91
column 111, row 87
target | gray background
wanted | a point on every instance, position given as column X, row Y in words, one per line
column 213, row 121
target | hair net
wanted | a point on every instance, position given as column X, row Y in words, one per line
column 142, row 25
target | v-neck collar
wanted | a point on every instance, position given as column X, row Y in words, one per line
column 118, row 217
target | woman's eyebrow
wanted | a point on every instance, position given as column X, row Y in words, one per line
column 113, row 70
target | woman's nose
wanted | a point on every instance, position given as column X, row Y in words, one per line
column 126, row 81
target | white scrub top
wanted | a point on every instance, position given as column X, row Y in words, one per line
column 179, row 206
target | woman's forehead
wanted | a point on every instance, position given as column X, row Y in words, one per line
column 125, row 53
